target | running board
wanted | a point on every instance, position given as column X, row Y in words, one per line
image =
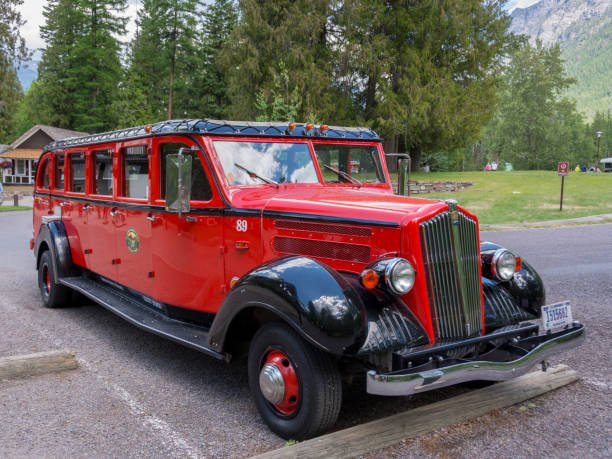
column 142, row 315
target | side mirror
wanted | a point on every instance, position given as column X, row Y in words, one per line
column 178, row 182
column 403, row 173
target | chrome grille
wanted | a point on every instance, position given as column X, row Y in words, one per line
column 452, row 267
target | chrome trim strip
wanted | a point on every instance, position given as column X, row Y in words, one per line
column 414, row 383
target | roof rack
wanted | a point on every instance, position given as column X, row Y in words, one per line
column 218, row 127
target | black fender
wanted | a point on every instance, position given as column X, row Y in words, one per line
column 52, row 236
column 507, row 303
column 311, row 297
column 329, row 309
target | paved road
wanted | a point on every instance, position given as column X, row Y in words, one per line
column 138, row 395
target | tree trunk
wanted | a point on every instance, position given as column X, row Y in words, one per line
column 391, row 144
column 172, row 62
column 370, row 97
column 415, row 156
column 170, row 95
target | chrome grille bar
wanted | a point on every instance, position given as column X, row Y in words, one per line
column 452, row 266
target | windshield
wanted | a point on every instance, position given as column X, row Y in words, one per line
column 342, row 163
column 267, row 162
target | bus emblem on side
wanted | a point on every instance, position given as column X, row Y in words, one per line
column 131, row 240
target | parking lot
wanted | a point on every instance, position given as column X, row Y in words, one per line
column 138, row 395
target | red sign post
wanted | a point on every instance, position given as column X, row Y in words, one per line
column 562, row 171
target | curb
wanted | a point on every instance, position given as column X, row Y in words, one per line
column 385, row 432
column 603, row 218
column 39, row 363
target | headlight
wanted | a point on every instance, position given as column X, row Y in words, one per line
column 399, row 276
column 503, row 264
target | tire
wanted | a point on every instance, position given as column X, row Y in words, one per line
column 316, row 392
column 54, row 295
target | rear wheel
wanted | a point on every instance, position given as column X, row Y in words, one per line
column 53, row 294
column 296, row 387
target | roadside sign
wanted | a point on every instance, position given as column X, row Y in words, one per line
column 562, row 171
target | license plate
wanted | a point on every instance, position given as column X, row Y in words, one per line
column 556, row 315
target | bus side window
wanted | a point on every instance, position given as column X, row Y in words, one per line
column 77, row 172
column 59, row 172
column 43, row 174
column 135, row 172
column 102, row 180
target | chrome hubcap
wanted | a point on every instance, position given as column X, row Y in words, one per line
column 271, row 384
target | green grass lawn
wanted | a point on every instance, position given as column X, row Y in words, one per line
column 9, row 208
column 527, row 196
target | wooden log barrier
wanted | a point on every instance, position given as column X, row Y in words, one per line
column 381, row 433
column 37, row 364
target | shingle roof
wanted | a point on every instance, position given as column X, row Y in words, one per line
column 22, row 153
column 53, row 132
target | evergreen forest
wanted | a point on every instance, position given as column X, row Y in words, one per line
column 443, row 80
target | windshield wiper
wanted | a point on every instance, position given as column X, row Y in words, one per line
column 255, row 175
column 343, row 174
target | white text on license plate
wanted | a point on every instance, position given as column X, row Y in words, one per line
column 556, row 315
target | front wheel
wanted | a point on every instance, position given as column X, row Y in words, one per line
column 53, row 294
column 296, row 387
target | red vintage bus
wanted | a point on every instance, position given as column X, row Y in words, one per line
column 266, row 238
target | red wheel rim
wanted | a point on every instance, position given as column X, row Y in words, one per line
column 292, row 392
column 47, row 279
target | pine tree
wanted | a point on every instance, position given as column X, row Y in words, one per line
column 163, row 61
column 12, row 52
column 219, row 21
column 10, row 96
column 296, row 33
column 80, row 68
column 98, row 67
column 537, row 125
column 602, row 122
column 427, row 68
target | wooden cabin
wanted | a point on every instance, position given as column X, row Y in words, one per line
column 23, row 153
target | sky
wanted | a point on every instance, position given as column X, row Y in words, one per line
column 31, row 11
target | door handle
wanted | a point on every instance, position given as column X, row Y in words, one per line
column 63, row 204
column 87, row 207
column 113, row 212
column 151, row 218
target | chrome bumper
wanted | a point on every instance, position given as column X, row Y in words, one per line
column 413, row 381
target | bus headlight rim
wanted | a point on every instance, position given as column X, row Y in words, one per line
column 400, row 276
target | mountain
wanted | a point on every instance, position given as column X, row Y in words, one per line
column 27, row 73
column 583, row 29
